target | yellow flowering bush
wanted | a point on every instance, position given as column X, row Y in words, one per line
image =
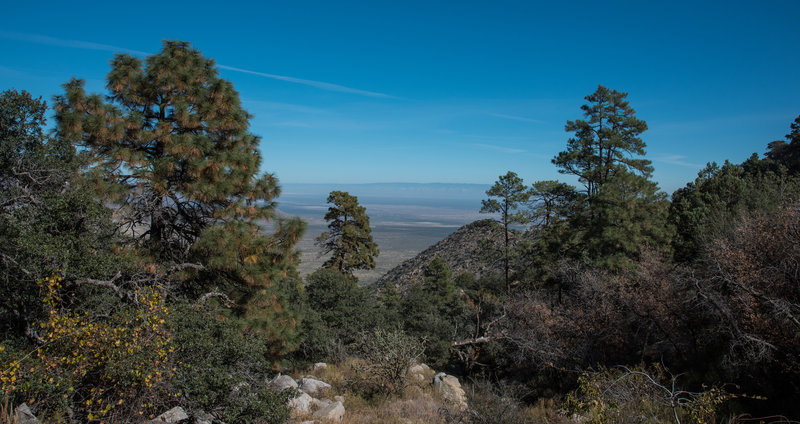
column 103, row 369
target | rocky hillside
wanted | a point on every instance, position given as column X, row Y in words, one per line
column 460, row 250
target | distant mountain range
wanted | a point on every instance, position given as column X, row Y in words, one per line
column 451, row 191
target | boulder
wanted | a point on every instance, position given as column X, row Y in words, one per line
column 312, row 386
column 418, row 372
column 449, row 388
column 24, row 415
column 202, row 417
column 319, row 366
column 320, row 403
column 281, row 383
column 301, row 404
column 174, row 415
column 332, row 412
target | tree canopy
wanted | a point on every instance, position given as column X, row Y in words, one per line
column 171, row 145
column 349, row 236
column 604, row 144
column 506, row 197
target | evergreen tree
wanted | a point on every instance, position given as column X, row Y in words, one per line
column 349, row 239
column 706, row 208
column 506, row 197
column 169, row 146
column 48, row 222
column 624, row 209
column 341, row 308
column 787, row 152
column 550, row 201
column 606, row 143
column 433, row 312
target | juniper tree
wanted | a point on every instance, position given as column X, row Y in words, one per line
column 48, row 222
column 349, row 237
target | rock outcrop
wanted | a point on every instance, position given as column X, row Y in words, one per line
column 304, row 403
column 333, row 412
column 449, row 388
column 282, row 382
column 23, row 415
column 312, row 386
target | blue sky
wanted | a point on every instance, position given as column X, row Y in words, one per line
column 447, row 91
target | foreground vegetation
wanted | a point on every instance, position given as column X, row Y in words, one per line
column 135, row 275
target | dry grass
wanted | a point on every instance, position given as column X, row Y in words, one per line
column 7, row 415
column 419, row 403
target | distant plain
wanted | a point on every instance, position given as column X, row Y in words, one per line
column 405, row 218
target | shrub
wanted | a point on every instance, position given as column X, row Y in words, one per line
column 113, row 368
column 222, row 368
column 641, row 395
column 388, row 355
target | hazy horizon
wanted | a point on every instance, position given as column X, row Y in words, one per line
column 405, row 218
column 453, row 92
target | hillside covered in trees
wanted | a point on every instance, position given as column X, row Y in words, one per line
column 135, row 274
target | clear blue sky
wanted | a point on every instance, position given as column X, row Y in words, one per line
column 447, row 91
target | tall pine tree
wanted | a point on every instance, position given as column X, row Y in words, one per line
column 170, row 147
column 624, row 208
column 506, row 196
column 349, row 237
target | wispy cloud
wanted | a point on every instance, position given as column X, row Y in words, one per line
column 87, row 45
column 318, row 84
column 61, row 42
column 676, row 160
column 498, row 148
column 515, row 118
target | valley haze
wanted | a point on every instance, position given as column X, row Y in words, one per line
column 405, row 218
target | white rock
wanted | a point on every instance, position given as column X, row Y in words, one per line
column 418, row 372
column 202, row 417
column 312, row 386
column 320, row 403
column 174, row 415
column 301, row 404
column 332, row 412
column 319, row 366
column 419, row 369
column 282, row 382
column 24, row 415
column 450, row 389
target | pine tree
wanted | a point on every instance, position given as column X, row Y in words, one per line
column 606, row 143
column 510, row 194
column 169, row 146
column 624, row 209
column 787, row 152
column 550, row 201
column 349, row 239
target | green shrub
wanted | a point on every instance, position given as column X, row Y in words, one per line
column 222, row 368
